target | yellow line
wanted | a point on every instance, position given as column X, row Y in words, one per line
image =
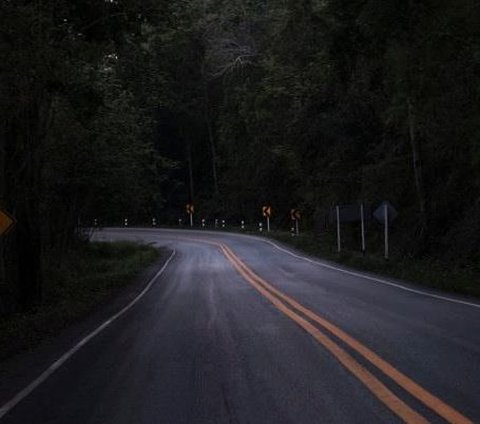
column 373, row 384
column 437, row 405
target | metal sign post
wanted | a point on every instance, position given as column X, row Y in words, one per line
column 267, row 213
column 295, row 215
column 339, row 244
column 190, row 209
column 385, row 217
column 362, row 221
column 385, row 214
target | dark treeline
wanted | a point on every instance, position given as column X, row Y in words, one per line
column 114, row 109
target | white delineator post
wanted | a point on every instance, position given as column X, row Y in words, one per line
column 362, row 220
column 339, row 243
column 385, row 217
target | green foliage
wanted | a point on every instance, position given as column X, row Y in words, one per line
column 132, row 109
column 77, row 281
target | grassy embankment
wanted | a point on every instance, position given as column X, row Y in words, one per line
column 446, row 276
column 75, row 282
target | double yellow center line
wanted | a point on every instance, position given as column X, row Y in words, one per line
column 314, row 326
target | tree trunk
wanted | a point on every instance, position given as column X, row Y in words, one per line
column 417, row 168
column 25, row 141
column 190, row 171
column 213, row 153
column 211, row 139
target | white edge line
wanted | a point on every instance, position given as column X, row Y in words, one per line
column 375, row 279
column 60, row 361
column 322, row 264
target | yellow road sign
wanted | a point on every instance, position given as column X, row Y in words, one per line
column 267, row 211
column 190, row 208
column 295, row 214
column 6, row 222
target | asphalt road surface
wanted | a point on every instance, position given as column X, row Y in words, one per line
column 239, row 330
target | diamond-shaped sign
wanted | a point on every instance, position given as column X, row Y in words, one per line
column 379, row 213
column 6, row 222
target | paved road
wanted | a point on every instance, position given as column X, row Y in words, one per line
column 237, row 330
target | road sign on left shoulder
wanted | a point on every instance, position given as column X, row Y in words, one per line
column 7, row 222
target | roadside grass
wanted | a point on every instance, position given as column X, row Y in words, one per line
column 449, row 277
column 75, row 282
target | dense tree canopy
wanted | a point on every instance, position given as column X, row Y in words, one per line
column 114, row 109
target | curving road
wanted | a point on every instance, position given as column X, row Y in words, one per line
column 236, row 329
